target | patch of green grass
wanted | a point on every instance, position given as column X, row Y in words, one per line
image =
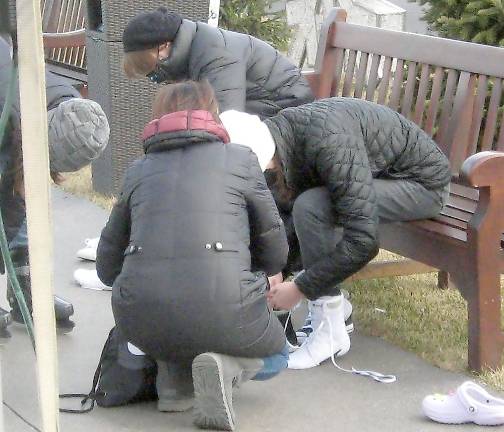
column 411, row 312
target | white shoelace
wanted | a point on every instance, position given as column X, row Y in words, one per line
column 377, row 376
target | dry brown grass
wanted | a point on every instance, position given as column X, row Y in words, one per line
column 418, row 317
column 79, row 183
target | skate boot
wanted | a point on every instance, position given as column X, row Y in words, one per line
column 312, row 321
column 329, row 337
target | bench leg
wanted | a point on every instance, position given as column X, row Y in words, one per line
column 443, row 281
column 486, row 340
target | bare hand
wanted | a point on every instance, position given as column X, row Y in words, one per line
column 275, row 279
column 284, row 295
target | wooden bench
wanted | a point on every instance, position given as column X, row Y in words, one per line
column 63, row 24
column 454, row 91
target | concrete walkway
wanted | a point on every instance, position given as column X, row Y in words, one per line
column 321, row 399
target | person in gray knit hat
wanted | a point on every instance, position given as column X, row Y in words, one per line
column 78, row 132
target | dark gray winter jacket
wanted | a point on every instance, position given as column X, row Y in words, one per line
column 188, row 242
column 343, row 144
column 58, row 90
column 246, row 73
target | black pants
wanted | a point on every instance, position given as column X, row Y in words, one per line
column 318, row 231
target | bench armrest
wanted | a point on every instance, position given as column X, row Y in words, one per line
column 313, row 79
column 76, row 38
column 484, row 169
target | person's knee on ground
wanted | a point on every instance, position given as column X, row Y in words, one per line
column 214, row 377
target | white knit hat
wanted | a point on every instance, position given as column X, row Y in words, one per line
column 249, row 130
column 78, row 133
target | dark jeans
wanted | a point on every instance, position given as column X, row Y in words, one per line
column 318, row 231
column 14, row 217
column 273, row 365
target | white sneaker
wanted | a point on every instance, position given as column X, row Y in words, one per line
column 89, row 251
column 329, row 337
column 470, row 403
column 305, row 331
column 89, row 279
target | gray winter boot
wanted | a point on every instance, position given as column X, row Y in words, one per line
column 174, row 388
column 214, row 376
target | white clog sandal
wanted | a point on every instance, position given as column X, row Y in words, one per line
column 470, row 403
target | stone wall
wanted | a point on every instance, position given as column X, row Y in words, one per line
column 306, row 17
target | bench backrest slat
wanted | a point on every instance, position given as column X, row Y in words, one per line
column 361, row 76
column 491, row 122
column 434, row 100
column 373, row 77
column 62, row 16
column 452, row 89
column 500, row 141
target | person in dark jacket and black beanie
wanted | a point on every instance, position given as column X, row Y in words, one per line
column 78, row 132
column 188, row 248
column 342, row 165
column 246, row 73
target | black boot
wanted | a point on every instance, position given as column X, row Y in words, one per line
column 290, row 333
column 5, row 320
column 63, row 310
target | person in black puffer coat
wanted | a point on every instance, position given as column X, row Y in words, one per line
column 78, row 132
column 188, row 248
column 341, row 166
column 246, row 73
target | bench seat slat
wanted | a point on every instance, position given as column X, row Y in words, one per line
column 462, row 204
column 452, row 222
column 438, row 228
column 457, row 214
column 464, row 191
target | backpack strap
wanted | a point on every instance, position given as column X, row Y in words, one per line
column 92, row 395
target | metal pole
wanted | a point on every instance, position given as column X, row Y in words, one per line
column 37, row 195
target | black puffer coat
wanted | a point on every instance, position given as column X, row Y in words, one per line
column 58, row 90
column 185, row 245
column 343, row 144
column 246, row 73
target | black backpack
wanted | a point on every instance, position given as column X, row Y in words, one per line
column 121, row 377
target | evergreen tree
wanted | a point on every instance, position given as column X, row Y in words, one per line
column 480, row 21
column 253, row 17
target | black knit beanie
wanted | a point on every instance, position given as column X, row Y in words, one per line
column 151, row 29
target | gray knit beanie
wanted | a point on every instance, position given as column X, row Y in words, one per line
column 78, row 133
